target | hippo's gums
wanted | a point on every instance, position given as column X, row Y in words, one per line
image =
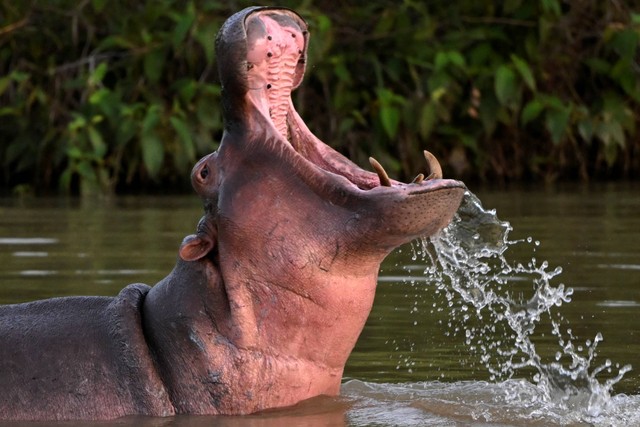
column 267, row 298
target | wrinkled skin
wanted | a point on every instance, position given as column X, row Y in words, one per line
column 78, row 358
column 268, row 296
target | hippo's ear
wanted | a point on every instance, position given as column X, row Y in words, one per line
column 194, row 247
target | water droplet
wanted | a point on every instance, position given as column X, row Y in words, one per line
column 467, row 264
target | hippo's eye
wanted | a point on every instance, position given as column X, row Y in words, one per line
column 204, row 173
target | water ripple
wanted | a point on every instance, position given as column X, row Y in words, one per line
column 620, row 266
column 38, row 272
column 476, row 403
column 618, row 303
column 27, row 241
column 28, row 254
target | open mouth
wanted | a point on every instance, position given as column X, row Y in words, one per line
column 276, row 41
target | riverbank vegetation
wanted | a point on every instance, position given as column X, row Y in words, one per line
column 102, row 96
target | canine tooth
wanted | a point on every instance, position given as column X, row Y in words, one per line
column 418, row 179
column 435, row 170
column 382, row 174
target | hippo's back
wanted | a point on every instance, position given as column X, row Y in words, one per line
column 78, row 358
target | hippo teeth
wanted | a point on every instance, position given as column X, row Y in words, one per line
column 435, row 170
column 382, row 174
column 418, row 179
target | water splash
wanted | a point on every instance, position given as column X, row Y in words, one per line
column 472, row 403
column 500, row 306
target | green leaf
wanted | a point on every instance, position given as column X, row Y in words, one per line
column 152, row 146
column 206, row 34
column 8, row 111
column 147, row 37
column 615, row 109
column 20, row 76
column 505, row 85
column 428, row 120
column 610, row 133
column 531, row 111
column 389, row 112
column 182, row 130
column 610, row 154
column 342, row 72
column 98, row 144
column 552, row 6
column 77, row 123
column 74, row 152
column 183, row 25
column 525, row 71
column 65, row 180
column 625, row 42
column 97, row 96
column 152, row 118
column 4, row 83
column 116, row 41
column 386, row 21
column 553, row 102
column 125, row 132
column 469, row 141
column 323, row 23
column 152, row 153
column 511, row 6
column 390, row 118
column 441, row 61
column 627, row 77
column 186, row 88
column 86, row 171
column 153, row 65
column 556, row 122
column 489, row 108
column 598, row 66
column 456, row 58
column 14, row 151
column 98, row 5
column 98, row 74
column 586, row 129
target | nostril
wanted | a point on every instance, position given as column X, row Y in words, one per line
column 204, row 172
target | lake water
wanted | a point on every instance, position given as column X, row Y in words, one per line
column 416, row 362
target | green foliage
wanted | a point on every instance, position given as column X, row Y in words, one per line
column 105, row 95
column 510, row 90
column 101, row 96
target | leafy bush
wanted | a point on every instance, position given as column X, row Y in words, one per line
column 511, row 90
column 100, row 96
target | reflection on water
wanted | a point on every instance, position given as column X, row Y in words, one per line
column 54, row 247
column 410, row 366
column 474, row 403
column 320, row 411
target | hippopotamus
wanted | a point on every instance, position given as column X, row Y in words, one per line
column 267, row 297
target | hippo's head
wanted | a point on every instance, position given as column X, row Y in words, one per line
column 293, row 231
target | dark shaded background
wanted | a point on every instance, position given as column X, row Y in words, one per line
column 102, row 96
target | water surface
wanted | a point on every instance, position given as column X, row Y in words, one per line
column 411, row 365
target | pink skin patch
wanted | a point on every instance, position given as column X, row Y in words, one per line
column 273, row 54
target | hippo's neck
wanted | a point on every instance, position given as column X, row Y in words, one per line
column 196, row 327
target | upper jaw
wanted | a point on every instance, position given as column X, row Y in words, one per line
column 272, row 65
